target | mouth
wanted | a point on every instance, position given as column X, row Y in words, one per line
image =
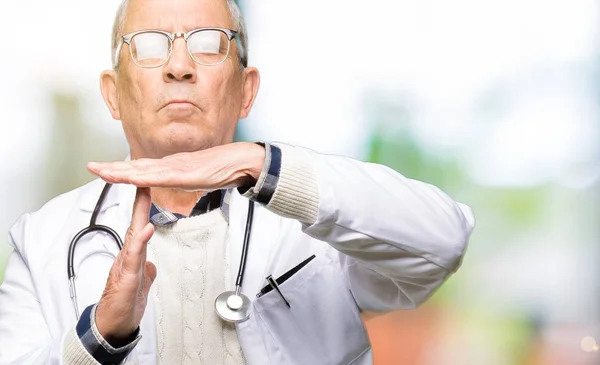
column 179, row 104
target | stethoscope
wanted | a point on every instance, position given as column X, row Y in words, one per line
column 231, row 306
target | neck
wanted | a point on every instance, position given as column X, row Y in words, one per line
column 175, row 200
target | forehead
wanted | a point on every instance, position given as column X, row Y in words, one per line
column 176, row 15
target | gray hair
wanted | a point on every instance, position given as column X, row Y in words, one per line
column 234, row 11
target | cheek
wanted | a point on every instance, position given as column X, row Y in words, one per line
column 136, row 96
column 218, row 89
column 131, row 106
column 230, row 91
column 127, row 94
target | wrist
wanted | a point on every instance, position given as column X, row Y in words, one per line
column 110, row 330
column 253, row 161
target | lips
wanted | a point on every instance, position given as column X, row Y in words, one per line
column 179, row 103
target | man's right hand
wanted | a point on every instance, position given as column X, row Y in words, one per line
column 120, row 310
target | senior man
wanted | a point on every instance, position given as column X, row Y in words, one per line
column 333, row 235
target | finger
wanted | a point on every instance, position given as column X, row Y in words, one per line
column 135, row 253
column 116, row 171
column 149, row 276
column 170, row 172
column 141, row 209
column 121, row 165
column 96, row 167
column 142, row 176
column 177, row 171
column 159, row 176
column 166, row 177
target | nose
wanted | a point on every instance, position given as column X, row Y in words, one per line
column 180, row 66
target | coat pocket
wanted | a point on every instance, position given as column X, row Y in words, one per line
column 322, row 324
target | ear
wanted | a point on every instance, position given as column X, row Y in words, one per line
column 108, row 87
column 251, row 82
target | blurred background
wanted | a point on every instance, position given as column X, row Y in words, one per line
column 497, row 102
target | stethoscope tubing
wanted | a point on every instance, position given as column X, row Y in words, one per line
column 240, row 276
column 93, row 227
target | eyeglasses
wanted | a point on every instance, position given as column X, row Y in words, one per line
column 152, row 48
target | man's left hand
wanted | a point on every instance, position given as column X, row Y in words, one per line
column 227, row 166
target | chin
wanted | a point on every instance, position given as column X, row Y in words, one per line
column 187, row 136
column 188, row 142
column 186, row 145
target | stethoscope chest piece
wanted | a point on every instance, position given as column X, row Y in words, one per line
column 233, row 307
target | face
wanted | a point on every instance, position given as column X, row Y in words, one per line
column 181, row 106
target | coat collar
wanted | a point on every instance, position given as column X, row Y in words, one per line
column 118, row 194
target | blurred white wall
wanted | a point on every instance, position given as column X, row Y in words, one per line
column 535, row 58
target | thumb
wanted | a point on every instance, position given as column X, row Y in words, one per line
column 149, row 276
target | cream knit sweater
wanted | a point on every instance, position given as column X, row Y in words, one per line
column 191, row 258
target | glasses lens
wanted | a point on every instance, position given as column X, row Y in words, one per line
column 150, row 49
column 208, row 47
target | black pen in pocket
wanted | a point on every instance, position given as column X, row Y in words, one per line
column 274, row 283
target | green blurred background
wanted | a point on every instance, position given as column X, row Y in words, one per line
column 496, row 102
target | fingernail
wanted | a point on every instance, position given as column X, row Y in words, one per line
column 93, row 165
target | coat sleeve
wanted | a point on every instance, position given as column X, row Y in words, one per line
column 24, row 334
column 397, row 239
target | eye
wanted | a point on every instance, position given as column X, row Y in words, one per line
column 208, row 47
column 207, row 42
column 150, row 48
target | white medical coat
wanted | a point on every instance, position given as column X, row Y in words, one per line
column 382, row 242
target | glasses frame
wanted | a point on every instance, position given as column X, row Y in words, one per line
column 126, row 39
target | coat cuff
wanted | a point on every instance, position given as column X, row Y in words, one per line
column 262, row 190
column 74, row 352
column 287, row 184
column 296, row 195
column 91, row 341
